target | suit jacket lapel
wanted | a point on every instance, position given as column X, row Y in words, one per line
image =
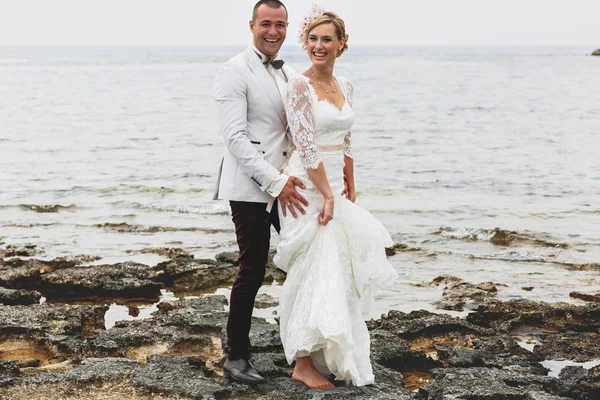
column 286, row 73
column 267, row 82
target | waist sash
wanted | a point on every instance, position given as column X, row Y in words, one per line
column 291, row 150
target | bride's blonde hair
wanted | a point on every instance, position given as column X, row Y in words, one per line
column 329, row 17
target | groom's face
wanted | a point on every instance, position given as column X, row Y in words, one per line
column 269, row 28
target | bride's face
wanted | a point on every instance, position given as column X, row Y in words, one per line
column 323, row 45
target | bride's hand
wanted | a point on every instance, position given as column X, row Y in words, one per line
column 349, row 191
column 345, row 191
column 351, row 195
column 326, row 213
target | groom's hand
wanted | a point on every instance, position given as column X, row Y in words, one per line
column 290, row 199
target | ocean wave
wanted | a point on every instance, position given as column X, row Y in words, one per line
column 137, row 189
column 47, row 208
column 498, row 237
column 27, row 225
column 541, row 260
column 216, row 209
column 133, row 228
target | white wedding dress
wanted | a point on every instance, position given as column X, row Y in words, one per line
column 332, row 270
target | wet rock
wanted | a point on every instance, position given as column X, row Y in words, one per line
column 19, row 297
column 126, row 280
column 420, row 341
column 574, row 346
column 395, row 353
column 508, row 238
column 265, row 301
column 197, row 315
column 97, row 378
column 501, row 237
column 47, row 333
column 501, row 351
column 171, row 252
column 27, row 274
column 521, row 316
column 9, row 368
column 583, row 384
column 440, row 280
column 390, row 251
column 595, row 297
column 264, row 337
column 134, row 311
column 28, row 363
column 191, row 326
column 189, row 274
column 571, row 374
column 76, row 259
column 583, row 267
column 52, row 319
column 139, row 340
column 512, row 382
column 596, row 52
column 16, row 250
column 416, row 343
column 230, row 257
column 179, row 375
column 589, row 385
column 387, row 386
column 459, row 295
column 387, row 383
column 386, row 346
column 461, row 356
column 274, row 274
column 424, row 323
column 121, row 389
column 272, row 365
column 80, row 381
column 46, row 208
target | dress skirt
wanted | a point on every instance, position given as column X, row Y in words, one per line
column 332, row 274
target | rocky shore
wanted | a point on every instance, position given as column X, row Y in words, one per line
column 54, row 343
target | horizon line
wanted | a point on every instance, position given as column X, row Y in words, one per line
column 296, row 45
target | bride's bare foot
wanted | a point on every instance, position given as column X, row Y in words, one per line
column 307, row 373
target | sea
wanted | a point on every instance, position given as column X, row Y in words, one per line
column 482, row 162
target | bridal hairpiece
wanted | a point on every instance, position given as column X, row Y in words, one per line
column 315, row 12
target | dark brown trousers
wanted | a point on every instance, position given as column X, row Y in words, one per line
column 253, row 231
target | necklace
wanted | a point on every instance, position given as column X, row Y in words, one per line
column 319, row 83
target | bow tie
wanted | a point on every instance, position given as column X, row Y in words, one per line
column 277, row 64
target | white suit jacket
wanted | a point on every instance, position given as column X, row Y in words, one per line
column 254, row 128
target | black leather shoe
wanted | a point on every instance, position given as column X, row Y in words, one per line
column 242, row 371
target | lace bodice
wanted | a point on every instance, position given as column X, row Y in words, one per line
column 316, row 123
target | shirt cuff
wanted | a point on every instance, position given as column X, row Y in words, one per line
column 275, row 188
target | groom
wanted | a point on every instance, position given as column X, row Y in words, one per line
column 250, row 94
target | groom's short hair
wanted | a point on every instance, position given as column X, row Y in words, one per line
column 268, row 3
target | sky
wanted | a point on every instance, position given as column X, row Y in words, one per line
column 369, row 22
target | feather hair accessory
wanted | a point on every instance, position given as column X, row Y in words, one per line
column 315, row 12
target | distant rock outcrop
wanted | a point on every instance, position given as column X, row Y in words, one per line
column 596, row 53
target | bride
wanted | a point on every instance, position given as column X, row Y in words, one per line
column 334, row 253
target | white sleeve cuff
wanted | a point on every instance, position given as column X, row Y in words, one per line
column 275, row 188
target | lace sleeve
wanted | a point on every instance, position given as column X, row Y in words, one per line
column 300, row 120
column 348, row 137
column 348, row 145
